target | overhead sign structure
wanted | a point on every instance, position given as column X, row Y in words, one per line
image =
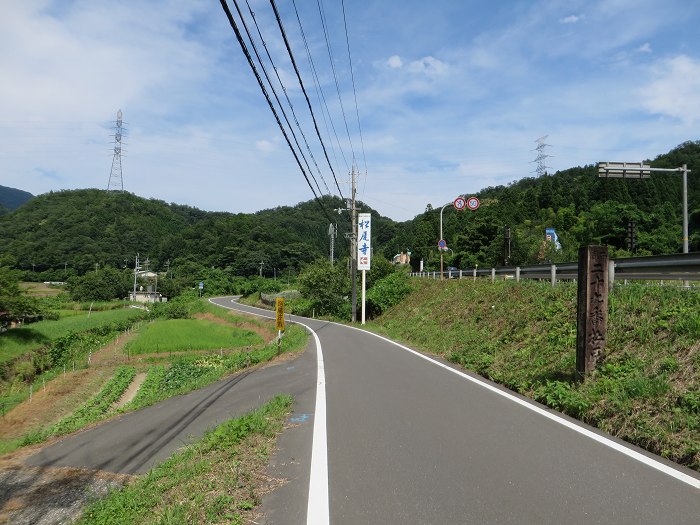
column 473, row 203
column 624, row 170
column 459, row 203
column 364, row 241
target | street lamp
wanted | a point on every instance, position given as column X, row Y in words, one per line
column 638, row 170
column 442, row 250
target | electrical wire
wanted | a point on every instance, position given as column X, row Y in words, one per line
column 303, row 89
column 335, row 76
column 279, row 103
column 284, row 90
column 319, row 93
column 244, row 48
column 354, row 91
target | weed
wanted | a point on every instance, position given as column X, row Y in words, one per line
column 181, row 490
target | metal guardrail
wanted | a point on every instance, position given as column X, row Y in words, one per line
column 678, row 267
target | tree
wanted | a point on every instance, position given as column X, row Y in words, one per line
column 14, row 305
column 101, row 285
column 326, row 286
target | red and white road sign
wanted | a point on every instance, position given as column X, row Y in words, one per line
column 473, row 203
column 459, row 203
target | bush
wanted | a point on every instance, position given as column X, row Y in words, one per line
column 388, row 292
column 326, row 286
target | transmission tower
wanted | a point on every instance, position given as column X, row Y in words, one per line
column 541, row 156
column 116, row 182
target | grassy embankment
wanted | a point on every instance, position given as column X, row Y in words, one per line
column 646, row 390
column 177, row 356
column 218, row 479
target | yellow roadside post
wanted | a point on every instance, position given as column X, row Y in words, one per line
column 279, row 311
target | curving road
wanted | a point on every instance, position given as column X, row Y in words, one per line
column 384, row 435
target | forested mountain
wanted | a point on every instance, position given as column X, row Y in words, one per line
column 12, row 198
column 582, row 208
column 59, row 234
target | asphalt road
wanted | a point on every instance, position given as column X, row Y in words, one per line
column 384, row 435
column 409, row 441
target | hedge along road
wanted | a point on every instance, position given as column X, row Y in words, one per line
column 411, row 439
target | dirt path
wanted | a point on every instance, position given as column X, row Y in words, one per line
column 131, row 392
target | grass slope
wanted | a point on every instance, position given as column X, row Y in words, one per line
column 219, row 479
column 646, row 390
column 18, row 341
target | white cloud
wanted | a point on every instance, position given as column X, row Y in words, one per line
column 571, row 19
column 394, row 62
column 428, row 65
column 645, row 48
column 675, row 89
column 265, row 146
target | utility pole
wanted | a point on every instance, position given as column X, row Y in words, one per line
column 137, row 268
column 506, row 246
column 350, row 206
column 332, row 232
column 261, row 267
column 353, row 248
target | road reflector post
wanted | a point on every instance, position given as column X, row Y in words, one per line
column 279, row 322
column 592, row 310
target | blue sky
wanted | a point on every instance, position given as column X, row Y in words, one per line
column 451, row 95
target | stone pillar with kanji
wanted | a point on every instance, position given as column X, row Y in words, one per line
column 592, row 313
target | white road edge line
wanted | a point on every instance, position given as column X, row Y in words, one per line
column 317, row 510
column 666, row 469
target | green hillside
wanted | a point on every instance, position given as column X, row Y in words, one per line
column 583, row 209
column 59, row 234
column 63, row 233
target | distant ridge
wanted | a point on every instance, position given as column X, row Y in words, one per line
column 12, row 198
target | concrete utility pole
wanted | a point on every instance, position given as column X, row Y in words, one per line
column 137, row 268
column 332, row 233
column 353, row 248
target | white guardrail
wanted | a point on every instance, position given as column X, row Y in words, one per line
column 679, row 267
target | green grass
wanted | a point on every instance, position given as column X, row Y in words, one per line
column 210, row 481
column 18, row 341
column 94, row 410
column 188, row 373
column 523, row 335
column 178, row 335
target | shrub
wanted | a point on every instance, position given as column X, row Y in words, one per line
column 388, row 292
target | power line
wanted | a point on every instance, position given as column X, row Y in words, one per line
column 335, row 76
column 244, row 48
column 354, row 91
column 279, row 103
column 319, row 93
column 284, row 90
column 303, row 89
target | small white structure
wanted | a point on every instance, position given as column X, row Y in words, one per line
column 147, row 297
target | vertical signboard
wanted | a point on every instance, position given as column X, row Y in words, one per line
column 279, row 311
column 364, row 240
